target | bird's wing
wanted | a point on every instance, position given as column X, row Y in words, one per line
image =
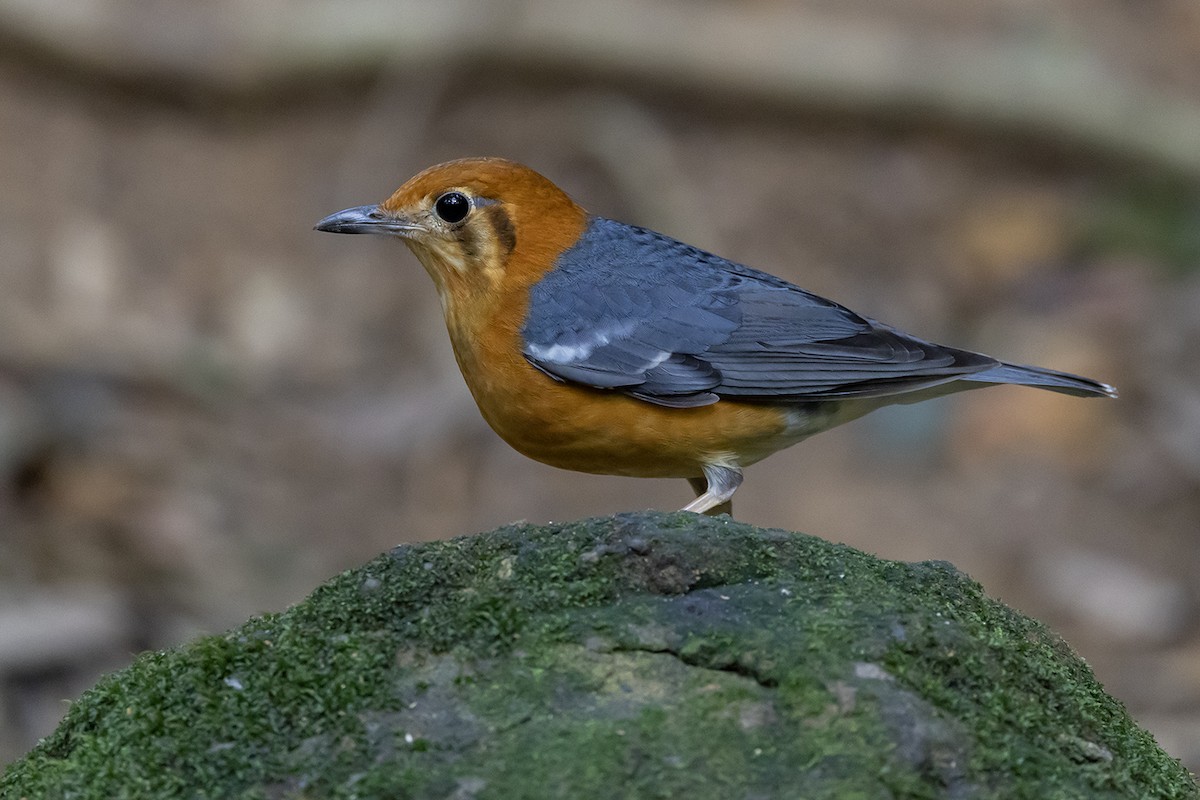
column 633, row 310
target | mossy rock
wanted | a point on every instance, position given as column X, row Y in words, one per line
column 642, row 655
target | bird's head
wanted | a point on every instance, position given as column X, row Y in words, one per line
column 475, row 225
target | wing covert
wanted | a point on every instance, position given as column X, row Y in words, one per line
column 635, row 311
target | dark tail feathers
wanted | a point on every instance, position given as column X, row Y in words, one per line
column 1043, row 378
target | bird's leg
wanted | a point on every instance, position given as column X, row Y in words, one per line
column 699, row 486
column 715, row 490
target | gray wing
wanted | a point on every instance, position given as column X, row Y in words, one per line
column 635, row 311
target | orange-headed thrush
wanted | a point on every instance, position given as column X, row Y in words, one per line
column 602, row 347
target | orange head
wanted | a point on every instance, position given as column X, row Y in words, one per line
column 477, row 225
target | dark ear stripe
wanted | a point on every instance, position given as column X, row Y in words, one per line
column 503, row 228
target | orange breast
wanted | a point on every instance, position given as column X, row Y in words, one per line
column 607, row 432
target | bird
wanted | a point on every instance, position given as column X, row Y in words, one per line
column 603, row 347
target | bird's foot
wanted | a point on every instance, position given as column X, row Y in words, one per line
column 715, row 490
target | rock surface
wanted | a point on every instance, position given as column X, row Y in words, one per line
column 642, row 655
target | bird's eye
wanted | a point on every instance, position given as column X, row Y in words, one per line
column 452, row 207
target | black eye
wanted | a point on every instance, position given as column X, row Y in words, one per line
column 452, row 207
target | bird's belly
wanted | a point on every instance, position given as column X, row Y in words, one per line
column 607, row 432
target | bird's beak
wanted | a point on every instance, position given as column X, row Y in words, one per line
column 368, row 219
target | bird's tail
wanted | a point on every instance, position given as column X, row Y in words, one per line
column 1043, row 378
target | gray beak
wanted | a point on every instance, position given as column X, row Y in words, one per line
column 367, row 219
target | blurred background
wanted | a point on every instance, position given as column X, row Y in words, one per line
column 206, row 408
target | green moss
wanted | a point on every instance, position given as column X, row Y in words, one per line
column 642, row 655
